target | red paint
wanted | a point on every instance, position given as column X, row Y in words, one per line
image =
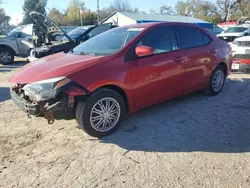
column 144, row 51
column 145, row 81
column 245, row 61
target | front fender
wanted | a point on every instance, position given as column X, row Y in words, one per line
column 106, row 83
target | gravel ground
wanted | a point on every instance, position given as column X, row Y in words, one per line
column 193, row 141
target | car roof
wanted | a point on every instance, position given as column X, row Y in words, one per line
column 151, row 24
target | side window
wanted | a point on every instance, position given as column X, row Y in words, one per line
column 161, row 39
column 99, row 29
column 27, row 31
column 189, row 37
column 206, row 38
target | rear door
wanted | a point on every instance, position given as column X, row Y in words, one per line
column 195, row 44
column 159, row 76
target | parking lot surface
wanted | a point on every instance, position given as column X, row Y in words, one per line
column 192, row 141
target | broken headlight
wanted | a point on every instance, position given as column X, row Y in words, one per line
column 45, row 89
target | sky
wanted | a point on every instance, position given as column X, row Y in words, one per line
column 13, row 8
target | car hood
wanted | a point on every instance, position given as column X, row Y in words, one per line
column 246, row 38
column 56, row 65
column 46, row 24
column 230, row 34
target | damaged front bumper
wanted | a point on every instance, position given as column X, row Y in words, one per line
column 63, row 102
column 30, row 108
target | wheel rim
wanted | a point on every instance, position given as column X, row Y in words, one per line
column 5, row 57
column 218, row 80
column 105, row 114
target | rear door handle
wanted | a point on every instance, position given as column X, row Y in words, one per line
column 180, row 59
column 213, row 51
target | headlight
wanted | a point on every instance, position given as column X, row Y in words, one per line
column 45, row 89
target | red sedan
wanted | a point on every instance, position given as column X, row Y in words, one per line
column 121, row 71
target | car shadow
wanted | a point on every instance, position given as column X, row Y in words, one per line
column 191, row 123
column 4, row 94
column 15, row 65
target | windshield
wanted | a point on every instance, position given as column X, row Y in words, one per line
column 236, row 29
column 17, row 29
column 108, row 42
column 74, row 34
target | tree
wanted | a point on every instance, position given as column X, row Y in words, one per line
column 73, row 12
column 120, row 6
column 56, row 16
column 225, row 5
column 202, row 9
column 182, row 8
column 4, row 19
column 164, row 10
column 243, row 7
column 33, row 5
column 89, row 18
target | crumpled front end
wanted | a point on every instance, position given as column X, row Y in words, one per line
column 47, row 101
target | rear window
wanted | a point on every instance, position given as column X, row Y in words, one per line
column 190, row 37
column 236, row 29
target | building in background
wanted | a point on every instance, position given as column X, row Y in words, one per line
column 126, row 18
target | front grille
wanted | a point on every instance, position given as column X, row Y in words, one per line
column 244, row 43
column 227, row 39
column 28, row 107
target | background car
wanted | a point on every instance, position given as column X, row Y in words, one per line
column 217, row 30
column 234, row 32
column 121, row 71
column 241, row 53
column 17, row 42
column 50, row 40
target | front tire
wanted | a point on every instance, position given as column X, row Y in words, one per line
column 6, row 56
column 217, row 81
column 101, row 113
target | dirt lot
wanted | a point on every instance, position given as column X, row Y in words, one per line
column 193, row 141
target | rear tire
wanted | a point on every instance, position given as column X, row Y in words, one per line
column 216, row 81
column 6, row 56
column 100, row 114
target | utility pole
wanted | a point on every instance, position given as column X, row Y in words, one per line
column 98, row 13
column 229, row 10
column 81, row 16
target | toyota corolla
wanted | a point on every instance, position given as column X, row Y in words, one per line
column 121, row 71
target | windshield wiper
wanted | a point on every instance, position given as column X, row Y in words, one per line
column 87, row 53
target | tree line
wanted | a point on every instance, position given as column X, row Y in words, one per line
column 77, row 12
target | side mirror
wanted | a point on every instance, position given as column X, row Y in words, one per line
column 142, row 51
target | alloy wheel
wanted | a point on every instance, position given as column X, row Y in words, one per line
column 218, row 80
column 5, row 57
column 105, row 114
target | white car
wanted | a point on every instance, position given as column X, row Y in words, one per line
column 234, row 32
column 241, row 53
column 17, row 42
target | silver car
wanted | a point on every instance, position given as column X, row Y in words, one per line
column 17, row 42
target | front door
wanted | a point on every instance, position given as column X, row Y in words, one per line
column 160, row 76
column 24, row 40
